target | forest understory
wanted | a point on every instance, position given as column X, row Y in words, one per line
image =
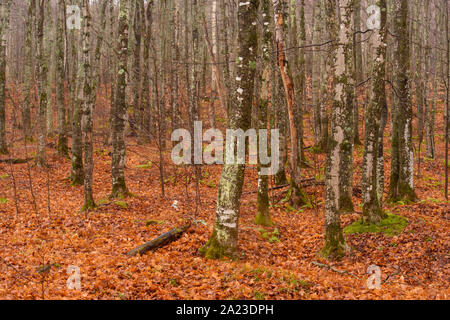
column 43, row 231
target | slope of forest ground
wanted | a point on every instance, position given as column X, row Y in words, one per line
column 43, row 225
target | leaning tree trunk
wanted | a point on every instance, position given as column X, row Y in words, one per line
column 223, row 241
column 119, row 109
column 402, row 156
column 335, row 246
column 298, row 196
column 372, row 210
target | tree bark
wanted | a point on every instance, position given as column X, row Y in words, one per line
column 223, row 241
column 119, row 110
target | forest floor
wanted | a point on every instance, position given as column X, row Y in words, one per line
column 43, row 225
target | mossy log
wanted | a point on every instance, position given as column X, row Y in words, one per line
column 159, row 242
column 15, row 161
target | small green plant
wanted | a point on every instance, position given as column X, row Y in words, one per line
column 5, row 176
column 3, row 201
column 272, row 237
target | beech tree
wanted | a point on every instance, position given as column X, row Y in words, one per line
column 373, row 142
column 340, row 28
column 223, row 241
column 4, row 22
column 119, row 109
column 401, row 185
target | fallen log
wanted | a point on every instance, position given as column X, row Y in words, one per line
column 15, row 161
column 161, row 241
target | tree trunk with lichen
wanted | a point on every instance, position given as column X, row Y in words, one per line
column 324, row 85
column 145, row 103
column 335, row 246
column 137, row 69
column 402, row 157
column 90, row 81
column 77, row 172
column 42, row 89
column 372, row 209
column 223, row 241
column 348, row 82
column 85, row 98
column 262, row 103
column 4, row 23
column 62, row 146
column 429, row 110
column 278, row 102
column 317, row 99
column 119, row 109
column 29, row 39
column 358, row 63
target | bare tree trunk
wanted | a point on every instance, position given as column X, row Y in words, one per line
column 262, row 102
column 77, row 173
column 402, row 158
column 4, row 23
column 29, row 42
column 335, row 246
column 42, row 81
column 85, row 99
column 62, row 146
column 372, row 209
column 223, row 241
column 119, row 109
column 358, row 63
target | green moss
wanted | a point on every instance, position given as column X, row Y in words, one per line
column 333, row 251
column 346, row 204
column 89, row 206
column 391, row 226
column 122, row 204
column 152, row 222
column 148, row 165
column 335, row 247
column 260, row 295
column 263, row 219
column 213, row 250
